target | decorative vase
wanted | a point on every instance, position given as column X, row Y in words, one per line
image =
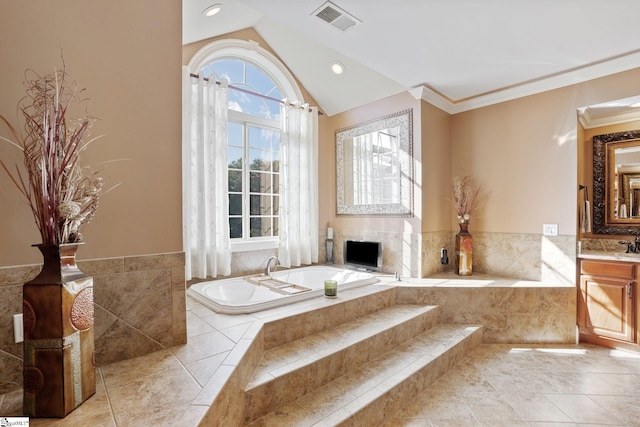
column 464, row 250
column 59, row 364
column 329, row 247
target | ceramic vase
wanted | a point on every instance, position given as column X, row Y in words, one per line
column 464, row 251
column 59, row 363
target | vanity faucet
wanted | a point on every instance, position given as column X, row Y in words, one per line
column 267, row 270
column 632, row 247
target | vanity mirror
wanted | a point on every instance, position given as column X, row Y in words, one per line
column 616, row 183
column 374, row 167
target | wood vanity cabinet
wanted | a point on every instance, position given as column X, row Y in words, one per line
column 607, row 302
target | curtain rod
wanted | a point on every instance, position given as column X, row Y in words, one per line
column 206, row 79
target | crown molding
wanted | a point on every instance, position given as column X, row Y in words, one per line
column 583, row 74
column 588, row 122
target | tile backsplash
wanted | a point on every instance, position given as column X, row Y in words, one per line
column 139, row 309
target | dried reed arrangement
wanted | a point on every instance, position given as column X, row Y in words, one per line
column 62, row 194
column 466, row 197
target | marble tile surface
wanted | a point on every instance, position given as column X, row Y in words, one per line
column 139, row 308
column 512, row 385
column 199, row 382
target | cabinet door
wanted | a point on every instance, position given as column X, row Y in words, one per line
column 606, row 307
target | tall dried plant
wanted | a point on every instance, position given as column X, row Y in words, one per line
column 61, row 193
column 466, row 197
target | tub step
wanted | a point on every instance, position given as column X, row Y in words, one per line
column 372, row 391
column 325, row 313
column 290, row 370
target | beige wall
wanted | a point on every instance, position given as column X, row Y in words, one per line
column 525, row 152
column 327, row 174
column 436, row 158
column 127, row 54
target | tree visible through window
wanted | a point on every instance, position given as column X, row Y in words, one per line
column 253, row 150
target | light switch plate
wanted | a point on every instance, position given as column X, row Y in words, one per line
column 550, row 229
column 18, row 333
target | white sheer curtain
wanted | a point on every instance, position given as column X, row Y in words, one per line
column 298, row 186
column 205, row 205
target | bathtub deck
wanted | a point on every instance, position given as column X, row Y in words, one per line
column 271, row 292
column 176, row 386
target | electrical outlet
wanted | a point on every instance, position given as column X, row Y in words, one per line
column 18, row 331
column 550, row 229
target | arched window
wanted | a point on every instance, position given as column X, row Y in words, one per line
column 257, row 83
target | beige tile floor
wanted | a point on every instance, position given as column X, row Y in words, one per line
column 498, row 385
column 511, row 385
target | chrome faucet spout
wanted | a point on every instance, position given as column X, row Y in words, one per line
column 267, row 270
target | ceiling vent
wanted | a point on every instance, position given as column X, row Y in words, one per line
column 336, row 17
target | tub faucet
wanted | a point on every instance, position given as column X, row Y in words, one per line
column 267, row 270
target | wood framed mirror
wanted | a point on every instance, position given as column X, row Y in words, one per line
column 616, row 183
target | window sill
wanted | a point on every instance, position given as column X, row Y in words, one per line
column 257, row 245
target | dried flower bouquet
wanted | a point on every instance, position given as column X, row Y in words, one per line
column 61, row 193
column 466, row 197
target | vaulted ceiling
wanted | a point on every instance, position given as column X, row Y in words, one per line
column 457, row 54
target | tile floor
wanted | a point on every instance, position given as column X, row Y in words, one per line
column 498, row 385
column 511, row 385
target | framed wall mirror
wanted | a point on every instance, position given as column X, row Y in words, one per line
column 616, row 183
column 374, row 167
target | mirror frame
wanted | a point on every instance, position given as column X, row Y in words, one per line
column 603, row 176
column 403, row 119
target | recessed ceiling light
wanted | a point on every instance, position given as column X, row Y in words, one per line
column 337, row 67
column 212, row 10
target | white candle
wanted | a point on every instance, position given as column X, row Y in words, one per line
column 329, row 233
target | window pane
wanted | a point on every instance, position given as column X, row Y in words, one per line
column 276, row 94
column 248, row 103
column 259, row 80
column 265, row 139
column 235, row 204
column 252, row 148
column 259, row 160
column 234, row 157
column 260, row 205
column 260, row 226
column 232, row 69
column 235, row 228
column 234, row 134
column 275, row 141
column 274, row 109
column 260, row 182
column 206, row 72
column 260, row 138
column 250, row 77
column 235, row 181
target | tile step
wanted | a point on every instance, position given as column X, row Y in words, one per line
column 291, row 370
column 323, row 313
column 377, row 389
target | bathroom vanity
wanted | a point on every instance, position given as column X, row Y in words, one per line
column 608, row 309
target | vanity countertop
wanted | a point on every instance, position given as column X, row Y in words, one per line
column 609, row 256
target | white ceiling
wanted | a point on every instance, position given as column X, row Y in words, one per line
column 456, row 54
